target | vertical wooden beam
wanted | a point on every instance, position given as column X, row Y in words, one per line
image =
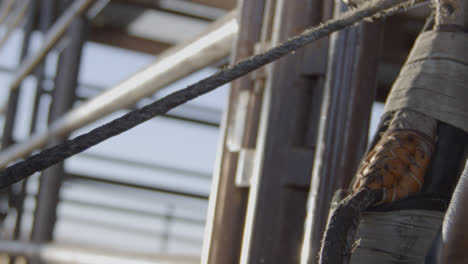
column 448, row 156
column 227, row 205
column 346, row 107
column 285, row 144
column 451, row 152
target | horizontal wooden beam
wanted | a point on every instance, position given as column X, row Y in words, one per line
column 120, row 38
column 223, row 4
column 156, row 5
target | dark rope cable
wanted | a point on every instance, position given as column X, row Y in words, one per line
column 338, row 239
column 56, row 154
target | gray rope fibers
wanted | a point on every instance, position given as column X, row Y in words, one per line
column 56, row 154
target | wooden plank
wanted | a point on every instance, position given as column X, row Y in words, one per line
column 277, row 199
column 223, row 4
column 346, row 107
column 228, row 203
column 156, row 5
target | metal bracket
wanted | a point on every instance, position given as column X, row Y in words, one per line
column 299, row 167
column 237, row 125
column 245, row 165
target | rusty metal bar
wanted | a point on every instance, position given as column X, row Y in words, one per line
column 228, row 203
column 346, row 108
column 176, row 63
column 63, row 99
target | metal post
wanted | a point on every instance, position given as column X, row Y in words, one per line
column 47, row 14
column 225, row 223
column 283, row 157
column 64, row 97
column 346, row 107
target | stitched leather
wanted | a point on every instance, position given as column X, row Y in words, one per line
column 396, row 165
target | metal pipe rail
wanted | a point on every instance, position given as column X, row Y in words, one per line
column 209, row 47
column 6, row 7
column 20, row 14
column 51, row 38
column 110, row 182
column 55, row 254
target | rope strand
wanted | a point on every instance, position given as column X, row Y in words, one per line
column 69, row 148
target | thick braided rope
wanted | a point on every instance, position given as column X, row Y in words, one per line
column 69, row 148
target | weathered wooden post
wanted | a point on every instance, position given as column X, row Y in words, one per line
column 346, row 106
column 415, row 161
column 269, row 142
column 451, row 244
column 283, row 155
column 228, row 201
